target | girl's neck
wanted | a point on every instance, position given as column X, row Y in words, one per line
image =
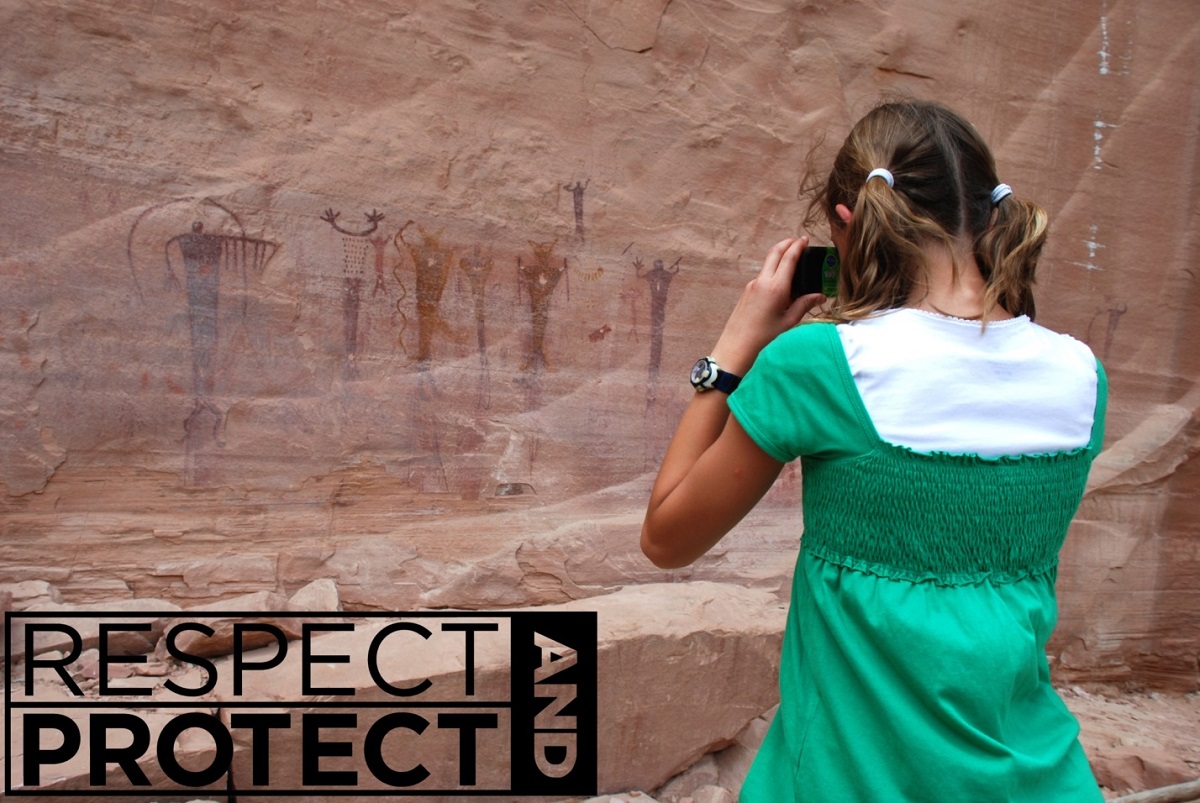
column 957, row 293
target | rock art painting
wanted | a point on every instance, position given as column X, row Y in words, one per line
column 1111, row 318
column 478, row 268
column 596, row 335
column 217, row 263
column 577, row 194
column 538, row 279
column 356, row 246
column 659, row 278
column 633, row 295
column 432, row 262
column 593, row 275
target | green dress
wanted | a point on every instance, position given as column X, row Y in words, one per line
column 914, row 664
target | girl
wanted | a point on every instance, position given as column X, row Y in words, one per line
column 945, row 442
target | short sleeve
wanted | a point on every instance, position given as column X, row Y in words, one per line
column 799, row 398
column 1097, row 440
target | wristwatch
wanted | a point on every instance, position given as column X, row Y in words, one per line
column 707, row 375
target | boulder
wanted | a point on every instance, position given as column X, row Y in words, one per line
column 1136, row 768
column 682, row 669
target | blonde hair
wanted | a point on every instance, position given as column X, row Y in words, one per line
column 944, row 176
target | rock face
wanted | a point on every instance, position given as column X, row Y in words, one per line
column 401, row 295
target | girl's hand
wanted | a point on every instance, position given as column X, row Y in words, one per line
column 765, row 309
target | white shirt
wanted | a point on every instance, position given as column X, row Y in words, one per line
column 936, row 383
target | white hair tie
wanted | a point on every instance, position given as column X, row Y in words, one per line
column 1001, row 192
column 883, row 173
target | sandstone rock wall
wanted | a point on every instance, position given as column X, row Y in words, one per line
column 401, row 294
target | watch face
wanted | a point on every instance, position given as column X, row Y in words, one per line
column 700, row 371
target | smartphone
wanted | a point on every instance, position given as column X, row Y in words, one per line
column 817, row 271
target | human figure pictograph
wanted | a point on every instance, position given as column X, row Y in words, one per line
column 577, row 196
column 659, row 278
column 478, row 268
column 538, row 279
column 1112, row 319
column 356, row 245
column 211, row 261
column 432, row 262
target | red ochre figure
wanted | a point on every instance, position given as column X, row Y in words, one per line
column 539, row 279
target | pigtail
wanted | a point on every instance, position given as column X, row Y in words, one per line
column 885, row 254
column 1007, row 253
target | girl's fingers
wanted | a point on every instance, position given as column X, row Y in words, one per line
column 805, row 304
column 775, row 257
column 792, row 255
column 782, row 253
column 765, row 308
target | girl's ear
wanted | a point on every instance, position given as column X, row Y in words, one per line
column 844, row 214
column 839, row 229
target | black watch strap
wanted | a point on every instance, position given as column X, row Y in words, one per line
column 707, row 375
column 726, row 382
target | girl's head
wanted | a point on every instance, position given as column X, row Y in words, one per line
column 944, row 176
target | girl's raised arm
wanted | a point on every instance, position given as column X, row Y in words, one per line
column 713, row 473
